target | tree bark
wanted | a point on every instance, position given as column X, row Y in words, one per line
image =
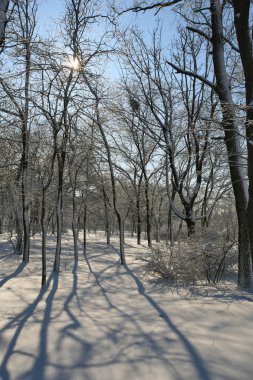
column 138, row 211
column 75, row 224
column 25, row 137
column 44, row 238
column 232, row 143
column 148, row 217
column 107, row 221
column 84, row 229
column 245, row 43
column 4, row 4
column 114, row 191
column 61, row 162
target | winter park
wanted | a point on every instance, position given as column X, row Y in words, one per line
column 126, row 190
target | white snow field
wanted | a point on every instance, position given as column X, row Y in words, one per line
column 101, row 321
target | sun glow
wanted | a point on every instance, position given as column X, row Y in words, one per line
column 73, row 63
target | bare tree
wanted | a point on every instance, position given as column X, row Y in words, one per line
column 97, row 119
column 182, row 135
column 24, row 34
column 245, row 43
column 212, row 12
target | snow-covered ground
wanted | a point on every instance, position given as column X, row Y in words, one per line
column 101, row 321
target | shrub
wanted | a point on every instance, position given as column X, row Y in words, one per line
column 203, row 257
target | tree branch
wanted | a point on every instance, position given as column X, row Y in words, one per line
column 158, row 5
column 180, row 70
column 203, row 34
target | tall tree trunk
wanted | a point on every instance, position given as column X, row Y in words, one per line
column 148, row 216
column 19, row 233
column 232, row 143
column 44, row 238
column 170, row 229
column 138, row 212
column 3, row 21
column 245, row 43
column 25, row 141
column 75, row 225
column 84, row 229
column 26, row 221
column 61, row 161
column 114, row 191
column 159, row 223
column 107, row 221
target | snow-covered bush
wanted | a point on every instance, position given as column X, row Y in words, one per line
column 203, row 257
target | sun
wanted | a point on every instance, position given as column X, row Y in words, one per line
column 73, row 63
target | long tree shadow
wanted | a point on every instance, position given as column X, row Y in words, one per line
column 21, row 319
column 97, row 281
column 74, row 323
column 194, row 355
column 14, row 274
column 148, row 337
column 87, row 349
column 38, row 370
column 73, row 294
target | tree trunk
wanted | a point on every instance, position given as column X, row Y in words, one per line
column 3, row 20
column 84, row 229
column 190, row 220
column 138, row 211
column 245, row 43
column 148, row 216
column 169, row 230
column 25, row 153
column 107, row 221
column 190, row 226
column 19, row 232
column 44, row 238
column 121, row 240
column 75, row 225
column 114, row 191
column 26, row 222
column 232, row 144
column 61, row 161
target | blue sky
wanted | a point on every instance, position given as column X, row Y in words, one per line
column 53, row 9
column 50, row 8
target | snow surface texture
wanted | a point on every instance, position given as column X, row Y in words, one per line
column 99, row 320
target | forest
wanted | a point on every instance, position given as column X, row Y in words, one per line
column 126, row 148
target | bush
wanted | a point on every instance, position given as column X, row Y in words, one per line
column 202, row 257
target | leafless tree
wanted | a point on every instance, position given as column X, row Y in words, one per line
column 23, row 26
column 212, row 25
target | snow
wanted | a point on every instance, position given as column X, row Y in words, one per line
column 99, row 320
